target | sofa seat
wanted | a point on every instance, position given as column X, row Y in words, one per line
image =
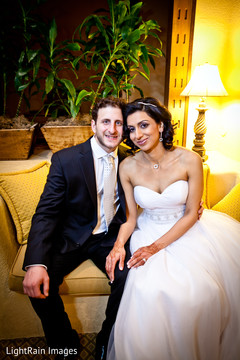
column 85, row 280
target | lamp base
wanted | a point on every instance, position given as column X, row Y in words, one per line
column 200, row 130
column 199, row 148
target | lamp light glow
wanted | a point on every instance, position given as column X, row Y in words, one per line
column 204, row 82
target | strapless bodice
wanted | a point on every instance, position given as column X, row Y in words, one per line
column 173, row 196
column 164, row 207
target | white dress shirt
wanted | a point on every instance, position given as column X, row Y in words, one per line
column 98, row 155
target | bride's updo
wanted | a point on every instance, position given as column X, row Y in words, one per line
column 157, row 112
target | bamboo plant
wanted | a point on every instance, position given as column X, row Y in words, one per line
column 60, row 94
column 115, row 45
column 20, row 46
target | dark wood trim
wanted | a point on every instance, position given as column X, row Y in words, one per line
column 183, row 19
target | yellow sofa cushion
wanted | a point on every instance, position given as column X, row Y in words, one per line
column 230, row 204
column 85, row 280
column 205, row 196
column 21, row 191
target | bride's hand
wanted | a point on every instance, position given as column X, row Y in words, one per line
column 141, row 256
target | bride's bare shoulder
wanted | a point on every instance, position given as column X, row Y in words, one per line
column 187, row 155
column 130, row 161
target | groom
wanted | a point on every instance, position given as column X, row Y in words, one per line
column 70, row 226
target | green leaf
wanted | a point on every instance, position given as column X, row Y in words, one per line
column 128, row 86
column 104, row 33
column 152, row 24
column 122, row 14
column 125, row 31
column 23, row 87
column 145, row 68
column 70, row 87
column 36, row 65
column 110, row 81
column 106, row 92
column 21, row 57
column 159, row 52
column 122, row 64
column 135, row 49
column 82, row 95
column 74, row 109
column 140, row 90
column 133, row 60
column 144, row 52
column 31, row 54
column 111, row 8
column 22, row 72
column 49, row 83
column 136, row 8
column 73, row 46
column 151, row 59
column 143, row 74
column 92, row 35
column 76, row 60
column 53, row 32
column 134, row 36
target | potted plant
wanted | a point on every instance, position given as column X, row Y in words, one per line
column 62, row 100
column 115, row 45
column 16, row 133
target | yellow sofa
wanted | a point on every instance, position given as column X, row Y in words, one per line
column 85, row 291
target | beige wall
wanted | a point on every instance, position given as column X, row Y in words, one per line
column 217, row 41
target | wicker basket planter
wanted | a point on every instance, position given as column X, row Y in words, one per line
column 15, row 144
column 60, row 137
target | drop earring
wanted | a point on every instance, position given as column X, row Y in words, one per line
column 161, row 138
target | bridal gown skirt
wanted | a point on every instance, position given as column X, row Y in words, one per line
column 184, row 303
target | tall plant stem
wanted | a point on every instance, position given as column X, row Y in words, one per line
column 103, row 75
column 4, row 93
column 127, row 91
column 100, row 83
column 19, row 103
column 61, row 100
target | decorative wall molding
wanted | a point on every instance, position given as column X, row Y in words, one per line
column 180, row 64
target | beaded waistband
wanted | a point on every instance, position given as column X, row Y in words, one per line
column 164, row 216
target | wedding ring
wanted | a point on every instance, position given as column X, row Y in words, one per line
column 144, row 260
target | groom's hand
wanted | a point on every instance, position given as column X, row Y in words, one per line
column 115, row 255
column 200, row 210
column 36, row 278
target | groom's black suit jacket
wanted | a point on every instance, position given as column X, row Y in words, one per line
column 67, row 211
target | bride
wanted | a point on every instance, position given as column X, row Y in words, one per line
column 181, row 298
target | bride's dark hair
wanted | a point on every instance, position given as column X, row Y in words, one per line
column 157, row 112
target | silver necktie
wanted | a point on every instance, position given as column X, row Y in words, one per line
column 109, row 188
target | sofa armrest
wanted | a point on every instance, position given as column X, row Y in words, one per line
column 230, row 204
column 8, row 243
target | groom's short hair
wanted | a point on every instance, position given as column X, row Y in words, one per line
column 105, row 102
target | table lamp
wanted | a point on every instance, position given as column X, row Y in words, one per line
column 204, row 82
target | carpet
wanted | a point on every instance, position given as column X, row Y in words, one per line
column 36, row 348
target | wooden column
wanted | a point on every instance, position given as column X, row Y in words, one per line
column 180, row 64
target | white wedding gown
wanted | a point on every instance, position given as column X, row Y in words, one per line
column 184, row 303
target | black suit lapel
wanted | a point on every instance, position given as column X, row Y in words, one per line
column 122, row 154
column 87, row 166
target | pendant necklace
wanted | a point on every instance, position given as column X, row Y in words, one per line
column 155, row 166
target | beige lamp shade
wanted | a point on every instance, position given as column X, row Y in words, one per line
column 204, row 82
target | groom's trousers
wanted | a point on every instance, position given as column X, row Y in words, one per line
column 56, row 325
